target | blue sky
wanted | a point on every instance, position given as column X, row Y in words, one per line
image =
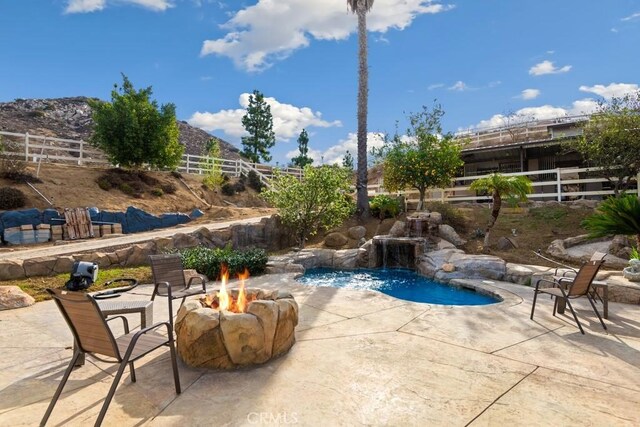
column 479, row 59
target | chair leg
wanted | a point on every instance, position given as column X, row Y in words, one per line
column 174, row 365
column 533, row 306
column 597, row 313
column 574, row 316
column 133, row 372
column 182, row 302
column 58, row 392
column 112, row 391
column 171, row 313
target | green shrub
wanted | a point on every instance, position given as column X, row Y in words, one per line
column 228, row 189
column 239, row 187
column 104, row 183
column 254, row 181
column 11, row 198
column 450, row 215
column 384, row 206
column 169, row 187
column 209, row 261
column 157, row 192
column 126, row 189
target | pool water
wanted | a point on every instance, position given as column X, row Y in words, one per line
column 398, row 283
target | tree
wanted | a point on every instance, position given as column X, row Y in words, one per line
column 212, row 166
column 616, row 215
column 302, row 159
column 319, row 201
column 133, row 131
column 347, row 161
column 501, row 186
column 611, row 140
column 258, row 122
column 424, row 158
column 360, row 8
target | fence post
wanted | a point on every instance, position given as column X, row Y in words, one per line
column 188, row 162
column 638, row 184
column 81, row 152
column 559, row 184
column 26, row 147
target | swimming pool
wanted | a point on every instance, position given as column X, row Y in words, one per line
column 398, row 283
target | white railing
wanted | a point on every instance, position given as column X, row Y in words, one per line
column 566, row 183
column 37, row 148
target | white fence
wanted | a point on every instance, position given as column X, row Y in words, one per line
column 37, row 148
column 552, row 184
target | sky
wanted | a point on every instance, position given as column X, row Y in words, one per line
column 482, row 60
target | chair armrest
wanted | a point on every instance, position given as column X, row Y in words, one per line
column 141, row 332
column 202, row 279
column 125, row 322
column 165, row 284
column 553, row 282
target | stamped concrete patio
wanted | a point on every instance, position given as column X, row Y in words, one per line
column 361, row 358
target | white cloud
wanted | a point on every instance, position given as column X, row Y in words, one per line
column 612, row 90
column 631, row 17
column 288, row 120
column 269, row 31
column 86, row 6
column 547, row 67
column 459, row 86
column 530, row 94
column 335, row 153
column 435, row 86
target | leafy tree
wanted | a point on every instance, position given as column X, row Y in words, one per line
column 133, row 131
column 501, row 186
column 360, row 8
column 616, row 215
column 424, row 158
column 319, row 201
column 611, row 140
column 347, row 161
column 212, row 166
column 303, row 159
column 258, row 122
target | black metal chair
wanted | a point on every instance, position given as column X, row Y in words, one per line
column 169, row 281
column 570, row 288
column 92, row 335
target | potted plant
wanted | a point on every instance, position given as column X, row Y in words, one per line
column 632, row 272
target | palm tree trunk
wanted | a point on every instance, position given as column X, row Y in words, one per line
column 363, row 95
column 495, row 211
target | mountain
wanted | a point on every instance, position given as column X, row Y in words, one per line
column 71, row 118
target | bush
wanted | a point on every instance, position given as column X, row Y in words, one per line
column 239, row 187
column 254, row 181
column 384, row 206
column 126, row 189
column 157, row 192
column 11, row 198
column 169, row 187
column 225, row 177
column 450, row 215
column 228, row 189
column 104, row 183
column 209, row 261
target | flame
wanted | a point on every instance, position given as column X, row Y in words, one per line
column 224, row 299
column 242, row 294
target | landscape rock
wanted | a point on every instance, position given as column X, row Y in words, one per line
column 13, row 297
column 448, row 267
column 506, row 243
column 183, row 241
column 335, row 240
column 139, row 254
column 357, row 232
column 384, row 227
column 398, row 229
column 346, row 258
column 519, row 274
column 37, row 267
column 11, row 269
column 447, row 233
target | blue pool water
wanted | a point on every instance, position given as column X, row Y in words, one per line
column 402, row 284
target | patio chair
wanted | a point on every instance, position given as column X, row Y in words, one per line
column 92, row 335
column 169, row 281
column 570, row 288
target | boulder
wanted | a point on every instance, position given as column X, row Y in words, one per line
column 448, row 267
column 384, row 226
column 506, row 243
column 357, row 232
column 182, row 241
column 447, row 233
column 479, row 266
column 398, row 229
column 347, row 258
column 162, row 244
column 13, row 297
column 335, row 240
column 139, row 254
column 444, row 244
column 11, row 269
column 37, row 267
column 519, row 274
column 64, row 264
column 620, row 247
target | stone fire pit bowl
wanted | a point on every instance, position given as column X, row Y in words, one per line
column 208, row 338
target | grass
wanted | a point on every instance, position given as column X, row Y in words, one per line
column 35, row 286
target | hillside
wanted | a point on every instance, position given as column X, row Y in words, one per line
column 71, row 118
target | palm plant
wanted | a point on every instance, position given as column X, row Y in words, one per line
column 360, row 8
column 616, row 215
column 499, row 185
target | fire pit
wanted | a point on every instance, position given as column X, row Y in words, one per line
column 236, row 328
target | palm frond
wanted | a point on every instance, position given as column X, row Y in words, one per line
column 616, row 215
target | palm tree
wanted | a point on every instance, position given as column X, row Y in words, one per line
column 499, row 185
column 360, row 8
column 616, row 215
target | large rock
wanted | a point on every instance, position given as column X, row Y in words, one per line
column 357, row 232
column 11, row 269
column 346, row 259
column 398, row 229
column 506, row 243
column 335, row 240
column 139, row 254
column 519, row 274
column 37, row 267
column 324, row 257
column 182, row 241
column 447, row 233
column 13, row 297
